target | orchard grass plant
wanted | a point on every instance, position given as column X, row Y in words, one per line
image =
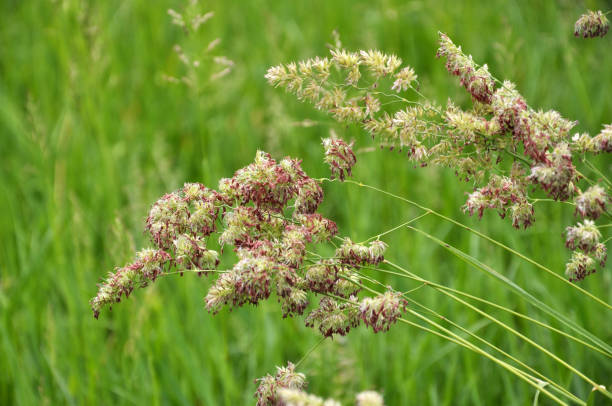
column 515, row 160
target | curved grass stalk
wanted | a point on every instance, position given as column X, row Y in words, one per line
column 455, row 338
column 531, row 380
column 555, row 385
column 310, row 351
column 519, row 290
column 533, row 343
column 597, row 171
column 484, row 236
column 438, row 286
column 377, row 236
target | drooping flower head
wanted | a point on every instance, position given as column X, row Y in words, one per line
column 333, row 317
column 339, row 156
column 149, row 264
column 603, row 140
column 584, row 236
column 381, row 311
column 404, row 79
column 592, row 24
column 579, row 267
column 557, row 174
column 504, row 194
column 356, row 254
column 264, row 183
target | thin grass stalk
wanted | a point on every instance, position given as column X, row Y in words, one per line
column 519, row 290
column 533, row 343
column 531, row 380
column 486, row 237
column 453, row 337
column 437, row 286
column 555, row 385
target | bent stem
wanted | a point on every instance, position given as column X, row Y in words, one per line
column 437, row 286
column 536, row 345
column 455, row 338
column 517, row 289
column 484, row 236
column 555, row 385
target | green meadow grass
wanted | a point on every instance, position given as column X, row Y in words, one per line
column 90, row 137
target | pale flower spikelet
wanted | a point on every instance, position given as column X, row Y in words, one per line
column 369, row 398
column 381, row 311
column 592, row 203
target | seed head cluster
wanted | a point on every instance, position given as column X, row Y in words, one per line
column 592, row 24
column 149, row 264
column 339, row 156
column 583, row 239
column 267, row 213
column 287, row 388
column 506, row 195
column 267, row 393
column 506, row 148
column 382, row 311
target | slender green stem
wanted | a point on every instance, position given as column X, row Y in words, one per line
column 538, row 200
column 597, row 171
column 531, row 380
column 377, row 236
column 310, row 351
column 437, row 286
column 484, row 236
column 455, row 338
column 555, row 385
column 519, row 290
column 516, row 156
column 528, row 340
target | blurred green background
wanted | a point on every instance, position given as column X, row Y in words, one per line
column 91, row 135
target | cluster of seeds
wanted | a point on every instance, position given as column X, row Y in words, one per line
column 584, row 238
column 286, row 388
column 267, row 213
column 506, row 194
column 592, row 24
column 505, row 147
column 267, row 393
column 339, row 156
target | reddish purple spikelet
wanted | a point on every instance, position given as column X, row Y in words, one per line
column 592, row 24
column 285, row 377
column 503, row 194
column 592, row 203
column 603, row 140
column 381, row 311
column 359, row 254
column 476, row 80
column 557, row 174
column 579, row 267
column 332, row 317
column 148, row 266
column 339, row 156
